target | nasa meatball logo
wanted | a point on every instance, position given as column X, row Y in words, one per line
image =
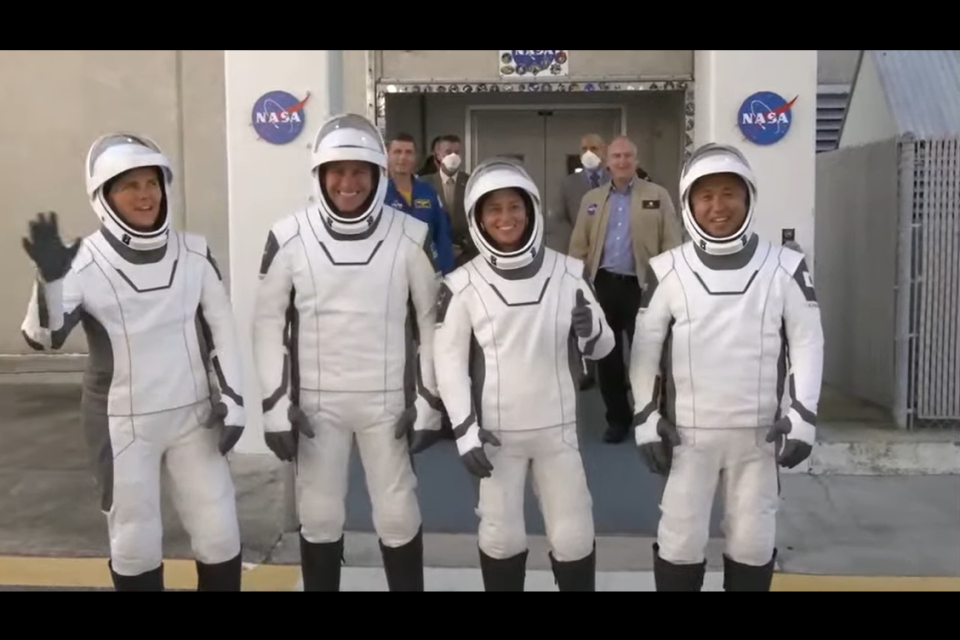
column 278, row 117
column 765, row 117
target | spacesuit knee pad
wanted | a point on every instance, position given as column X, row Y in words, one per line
column 502, row 542
column 572, row 539
column 322, row 521
column 218, row 541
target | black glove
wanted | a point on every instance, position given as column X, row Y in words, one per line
column 658, row 454
column 582, row 316
column 789, row 452
column 46, row 249
column 284, row 443
column 420, row 439
column 474, row 458
column 228, row 435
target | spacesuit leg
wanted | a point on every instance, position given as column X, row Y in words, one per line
column 323, row 464
column 560, row 484
column 203, row 493
column 751, row 499
column 680, row 551
column 392, row 486
column 502, row 531
column 128, row 451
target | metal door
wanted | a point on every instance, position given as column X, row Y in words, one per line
column 564, row 130
column 516, row 133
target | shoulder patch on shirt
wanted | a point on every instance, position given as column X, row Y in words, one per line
column 805, row 281
column 592, row 209
column 422, row 203
column 443, row 302
column 651, row 204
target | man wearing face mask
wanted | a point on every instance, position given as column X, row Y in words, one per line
column 450, row 183
column 563, row 218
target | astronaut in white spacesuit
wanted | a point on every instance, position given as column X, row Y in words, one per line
column 506, row 322
column 331, row 347
column 736, row 322
column 157, row 320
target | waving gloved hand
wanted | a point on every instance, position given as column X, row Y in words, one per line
column 790, row 451
column 421, row 423
column 656, row 438
column 229, row 434
column 582, row 316
column 284, row 443
column 47, row 250
column 470, row 448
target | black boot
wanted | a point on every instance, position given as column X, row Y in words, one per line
column 579, row 575
column 404, row 565
column 223, row 576
column 320, row 564
column 509, row 574
column 148, row 581
column 743, row 577
column 677, row 577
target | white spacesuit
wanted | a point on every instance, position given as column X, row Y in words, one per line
column 330, row 346
column 157, row 320
column 736, row 321
column 507, row 321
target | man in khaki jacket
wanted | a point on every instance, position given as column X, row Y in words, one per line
column 620, row 226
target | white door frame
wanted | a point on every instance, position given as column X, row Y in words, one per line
column 471, row 109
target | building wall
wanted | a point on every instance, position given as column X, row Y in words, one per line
column 868, row 117
column 836, row 66
column 478, row 65
column 175, row 97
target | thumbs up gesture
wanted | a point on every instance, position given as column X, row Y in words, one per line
column 582, row 316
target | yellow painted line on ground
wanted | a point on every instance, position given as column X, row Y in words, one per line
column 94, row 573
column 67, row 573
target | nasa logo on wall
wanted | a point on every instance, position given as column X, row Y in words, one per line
column 765, row 117
column 278, row 117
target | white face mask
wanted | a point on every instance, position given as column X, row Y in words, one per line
column 590, row 160
column 451, row 162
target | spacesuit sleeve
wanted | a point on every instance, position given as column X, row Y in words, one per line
column 53, row 311
column 801, row 316
column 424, row 287
column 452, row 356
column 601, row 341
column 269, row 325
column 217, row 318
column 653, row 324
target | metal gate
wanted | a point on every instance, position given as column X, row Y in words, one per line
column 929, row 300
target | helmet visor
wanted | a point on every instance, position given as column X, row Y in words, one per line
column 349, row 130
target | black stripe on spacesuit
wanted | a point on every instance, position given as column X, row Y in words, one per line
column 726, row 293
column 58, row 337
column 173, row 273
column 781, row 371
column 644, row 414
column 443, row 302
column 668, row 394
column 213, row 263
column 289, row 374
column 478, row 371
column 532, row 303
column 351, row 264
column 808, row 416
column 97, row 381
column 270, row 251
column 650, row 284
column 225, row 387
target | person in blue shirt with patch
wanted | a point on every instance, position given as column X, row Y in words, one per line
column 417, row 198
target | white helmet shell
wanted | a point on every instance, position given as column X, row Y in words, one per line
column 112, row 155
column 349, row 137
column 492, row 175
column 711, row 159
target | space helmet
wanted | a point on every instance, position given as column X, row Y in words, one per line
column 710, row 159
column 349, row 137
column 109, row 157
column 492, row 175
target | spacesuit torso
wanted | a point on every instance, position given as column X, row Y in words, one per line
column 147, row 336
column 351, row 300
column 727, row 309
column 518, row 359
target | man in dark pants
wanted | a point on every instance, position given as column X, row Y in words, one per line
column 620, row 226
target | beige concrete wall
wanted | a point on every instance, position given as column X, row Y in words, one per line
column 69, row 98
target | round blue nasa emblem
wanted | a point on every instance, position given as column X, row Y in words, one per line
column 278, row 117
column 765, row 117
column 535, row 60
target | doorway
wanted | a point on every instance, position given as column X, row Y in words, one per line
column 545, row 139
